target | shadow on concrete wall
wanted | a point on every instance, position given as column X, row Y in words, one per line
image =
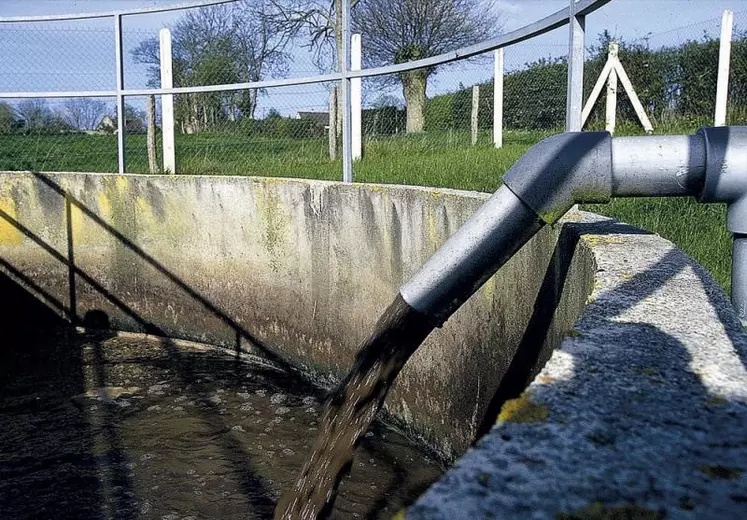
column 630, row 414
column 36, row 358
column 527, row 361
column 75, row 272
column 533, row 350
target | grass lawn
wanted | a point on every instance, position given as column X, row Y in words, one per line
column 442, row 159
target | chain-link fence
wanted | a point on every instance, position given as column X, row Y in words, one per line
column 296, row 130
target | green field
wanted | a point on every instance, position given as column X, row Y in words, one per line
column 444, row 159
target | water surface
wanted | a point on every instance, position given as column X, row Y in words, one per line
column 100, row 426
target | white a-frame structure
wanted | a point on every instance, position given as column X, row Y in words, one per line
column 613, row 70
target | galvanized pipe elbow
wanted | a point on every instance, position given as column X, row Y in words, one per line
column 561, row 171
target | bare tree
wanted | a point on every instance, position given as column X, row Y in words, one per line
column 397, row 31
column 84, row 113
column 34, row 112
column 321, row 22
column 234, row 43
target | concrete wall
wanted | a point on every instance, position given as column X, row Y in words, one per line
column 295, row 270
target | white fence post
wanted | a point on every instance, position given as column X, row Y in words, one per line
column 475, row 112
column 356, row 98
column 344, row 97
column 611, row 105
column 575, row 88
column 498, row 99
column 724, row 55
column 167, row 103
column 121, row 116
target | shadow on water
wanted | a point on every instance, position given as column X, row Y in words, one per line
column 62, row 374
column 36, row 364
column 66, row 372
column 45, row 431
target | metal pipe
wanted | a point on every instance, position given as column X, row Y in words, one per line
column 739, row 277
column 668, row 165
column 583, row 167
column 106, row 14
column 472, row 255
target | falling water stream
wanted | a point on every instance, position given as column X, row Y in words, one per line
column 351, row 409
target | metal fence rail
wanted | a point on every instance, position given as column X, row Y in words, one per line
column 120, row 91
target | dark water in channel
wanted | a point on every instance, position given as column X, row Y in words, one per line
column 96, row 426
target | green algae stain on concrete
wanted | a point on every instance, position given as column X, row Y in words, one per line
column 433, row 237
column 488, row 291
column 523, row 410
column 573, row 333
column 717, row 400
column 598, row 511
column 275, row 221
column 400, row 515
column 9, row 234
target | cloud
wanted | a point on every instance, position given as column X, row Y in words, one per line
column 508, row 7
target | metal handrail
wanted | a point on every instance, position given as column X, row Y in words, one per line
column 109, row 14
column 547, row 24
column 576, row 11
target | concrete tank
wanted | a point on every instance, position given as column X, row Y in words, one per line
column 614, row 363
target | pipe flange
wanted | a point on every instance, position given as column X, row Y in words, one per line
column 726, row 173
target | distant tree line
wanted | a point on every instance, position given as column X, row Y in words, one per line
column 36, row 116
column 673, row 83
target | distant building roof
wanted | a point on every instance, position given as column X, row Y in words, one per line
column 321, row 118
column 107, row 122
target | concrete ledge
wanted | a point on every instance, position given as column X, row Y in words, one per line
column 640, row 412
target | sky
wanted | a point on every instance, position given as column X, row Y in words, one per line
column 79, row 55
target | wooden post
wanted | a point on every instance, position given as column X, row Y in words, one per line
column 151, row 138
column 598, row 86
column 611, row 106
column 167, row 103
column 356, row 98
column 613, row 66
column 724, row 56
column 333, row 123
column 475, row 110
column 498, row 99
